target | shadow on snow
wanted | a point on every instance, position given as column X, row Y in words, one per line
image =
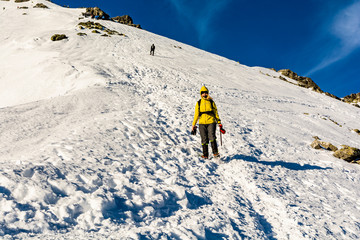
column 288, row 165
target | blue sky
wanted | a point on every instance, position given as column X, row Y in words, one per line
column 319, row 39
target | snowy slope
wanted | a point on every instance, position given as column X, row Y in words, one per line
column 95, row 143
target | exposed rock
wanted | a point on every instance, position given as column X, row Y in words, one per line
column 329, row 146
column 331, row 120
column 98, row 26
column 40, row 5
column 302, row 81
column 58, row 37
column 284, row 79
column 357, row 131
column 19, row 1
column 91, row 25
column 353, row 99
column 126, row 19
column 113, row 32
column 316, row 144
column 348, row 154
column 332, row 95
column 96, row 12
column 306, row 82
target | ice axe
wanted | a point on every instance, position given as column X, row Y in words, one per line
column 222, row 131
column 220, row 139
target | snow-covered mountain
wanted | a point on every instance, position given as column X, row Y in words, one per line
column 95, row 140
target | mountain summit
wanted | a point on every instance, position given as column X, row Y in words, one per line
column 95, row 139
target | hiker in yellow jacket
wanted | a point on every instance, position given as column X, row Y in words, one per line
column 207, row 115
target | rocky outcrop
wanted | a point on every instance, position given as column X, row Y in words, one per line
column 58, row 37
column 349, row 154
column 91, row 25
column 96, row 12
column 332, row 95
column 353, row 99
column 316, row 144
column 40, row 5
column 304, row 82
column 97, row 26
column 126, row 19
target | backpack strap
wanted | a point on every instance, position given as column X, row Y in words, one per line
column 207, row 112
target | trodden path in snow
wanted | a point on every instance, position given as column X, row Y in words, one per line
column 99, row 162
column 109, row 160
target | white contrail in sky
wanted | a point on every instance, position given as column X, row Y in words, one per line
column 346, row 28
column 200, row 13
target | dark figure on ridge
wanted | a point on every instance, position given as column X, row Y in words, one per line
column 152, row 50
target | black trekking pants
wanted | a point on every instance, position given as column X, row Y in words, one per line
column 207, row 133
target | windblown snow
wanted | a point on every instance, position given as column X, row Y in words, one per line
column 95, row 140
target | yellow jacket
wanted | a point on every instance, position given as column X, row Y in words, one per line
column 208, row 109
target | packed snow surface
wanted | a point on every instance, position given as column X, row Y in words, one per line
column 95, row 140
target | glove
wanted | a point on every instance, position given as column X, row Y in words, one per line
column 221, row 129
column 193, row 131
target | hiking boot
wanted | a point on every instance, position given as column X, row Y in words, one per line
column 204, row 157
column 214, row 147
column 216, row 155
column 205, row 148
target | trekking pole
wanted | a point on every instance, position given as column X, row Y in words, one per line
column 222, row 131
column 220, row 139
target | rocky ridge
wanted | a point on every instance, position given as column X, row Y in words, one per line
column 126, row 19
column 95, row 12
column 353, row 98
column 307, row 82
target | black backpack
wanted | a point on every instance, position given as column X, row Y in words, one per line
column 207, row 112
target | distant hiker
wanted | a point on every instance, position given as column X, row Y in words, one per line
column 207, row 114
column 152, row 50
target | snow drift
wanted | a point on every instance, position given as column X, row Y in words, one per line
column 95, row 140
